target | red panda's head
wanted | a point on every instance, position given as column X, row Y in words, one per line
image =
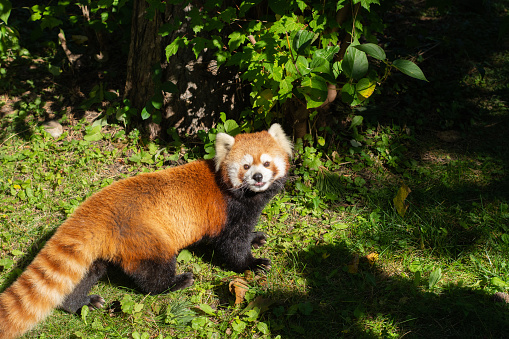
column 253, row 160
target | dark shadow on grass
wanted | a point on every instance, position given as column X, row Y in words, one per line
column 374, row 303
column 465, row 97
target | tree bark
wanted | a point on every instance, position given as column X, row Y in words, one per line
column 144, row 54
column 205, row 90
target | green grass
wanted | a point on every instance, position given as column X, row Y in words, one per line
column 436, row 269
column 440, row 264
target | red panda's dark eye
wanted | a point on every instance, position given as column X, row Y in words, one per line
column 266, row 164
column 246, row 167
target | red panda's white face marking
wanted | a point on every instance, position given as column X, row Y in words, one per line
column 255, row 174
column 253, row 161
column 259, row 175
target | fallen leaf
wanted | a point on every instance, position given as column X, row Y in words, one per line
column 248, row 275
column 238, row 287
column 399, row 199
column 353, row 266
column 259, row 302
column 372, row 257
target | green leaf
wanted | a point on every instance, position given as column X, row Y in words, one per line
column 264, row 99
column 145, row 114
column 336, row 69
column 399, row 200
column 373, row 50
column 302, row 65
column 415, row 266
column 6, row 263
column 50, row 22
column 366, row 3
column 434, row 277
column 207, row 309
column 231, row 127
column 157, row 101
column 199, row 323
column 499, row 283
column 138, row 307
column 236, row 39
column 93, row 133
column 263, row 327
column 157, row 117
column 54, row 70
column 327, row 53
column 252, row 314
column 320, row 65
column 5, row 10
column 238, row 325
column 364, row 88
column 199, row 45
column 17, row 252
column 348, row 93
column 302, row 40
column 315, row 90
column 355, row 63
column 409, row 68
column 285, row 89
column 313, row 163
column 84, row 313
column 172, row 48
column 184, row 256
column 136, row 158
column 291, row 69
column 356, row 121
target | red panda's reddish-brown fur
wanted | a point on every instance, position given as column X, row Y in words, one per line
column 141, row 223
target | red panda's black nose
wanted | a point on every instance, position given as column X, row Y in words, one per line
column 258, row 177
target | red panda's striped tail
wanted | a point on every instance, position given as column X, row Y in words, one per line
column 44, row 285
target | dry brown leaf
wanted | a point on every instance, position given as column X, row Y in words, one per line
column 372, row 257
column 248, row 275
column 238, row 287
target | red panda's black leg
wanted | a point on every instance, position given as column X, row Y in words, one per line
column 236, row 253
column 79, row 296
column 156, row 276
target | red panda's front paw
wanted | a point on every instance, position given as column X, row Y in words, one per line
column 96, row 301
column 258, row 239
column 182, row 281
column 261, row 264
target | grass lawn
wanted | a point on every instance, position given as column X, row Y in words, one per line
column 345, row 262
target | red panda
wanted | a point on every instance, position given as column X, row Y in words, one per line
column 141, row 223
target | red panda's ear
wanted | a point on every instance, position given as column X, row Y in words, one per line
column 277, row 133
column 224, row 144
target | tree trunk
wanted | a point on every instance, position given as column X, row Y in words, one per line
column 205, row 90
column 144, row 54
